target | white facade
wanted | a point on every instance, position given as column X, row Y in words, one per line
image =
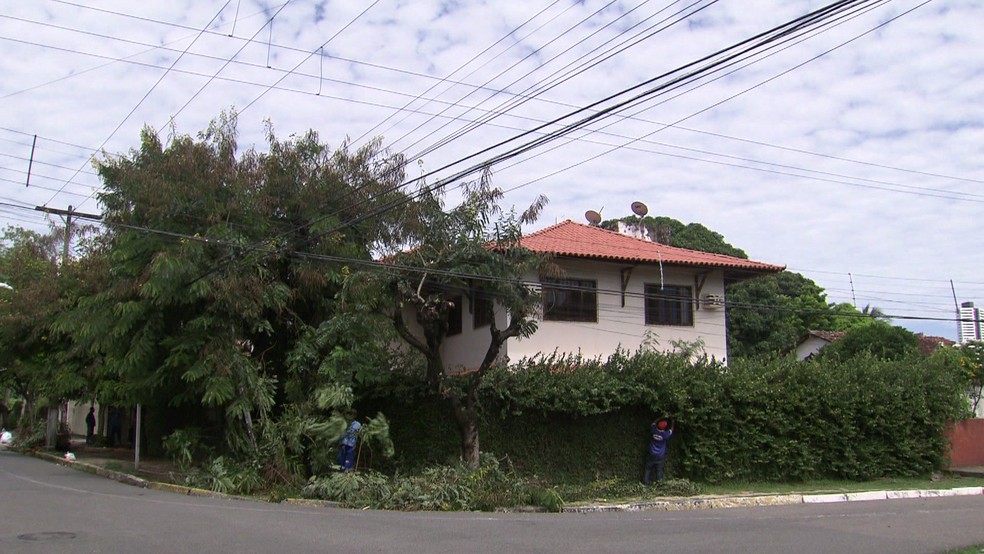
column 617, row 325
column 971, row 323
column 625, row 326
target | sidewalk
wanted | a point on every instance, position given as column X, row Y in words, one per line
column 94, row 460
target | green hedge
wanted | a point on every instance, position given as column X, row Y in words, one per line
column 570, row 420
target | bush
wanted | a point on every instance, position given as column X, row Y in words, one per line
column 576, row 422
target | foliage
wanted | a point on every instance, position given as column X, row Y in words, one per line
column 29, row 364
column 183, row 446
column 226, row 476
column 214, row 476
column 575, row 421
column 877, row 339
column 972, row 363
column 666, row 230
column 212, row 293
column 767, row 315
column 30, row 438
column 443, row 487
column 621, row 488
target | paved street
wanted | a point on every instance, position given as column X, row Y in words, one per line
column 46, row 507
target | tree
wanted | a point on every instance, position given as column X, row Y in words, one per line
column 768, row 314
column 220, row 264
column 458, row 252
column 972, row 362
column 879, row 339
column 29, row 266
column 666, row 230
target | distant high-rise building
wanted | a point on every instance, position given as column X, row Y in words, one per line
column 970, row 322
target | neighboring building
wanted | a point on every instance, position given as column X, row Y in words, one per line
column 971, row 322
column 928, row 344
column 617, row 292
column 813, row 342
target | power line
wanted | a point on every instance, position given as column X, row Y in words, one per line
column 145, row 96
column 689, row 71
column 944, row 176
column 534, row 91
column 446, row 78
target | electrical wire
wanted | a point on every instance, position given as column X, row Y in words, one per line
column 145, row 96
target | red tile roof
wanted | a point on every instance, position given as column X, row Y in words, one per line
column 584, row 241
column 928, row 344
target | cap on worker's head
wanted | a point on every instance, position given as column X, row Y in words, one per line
column 661, row 424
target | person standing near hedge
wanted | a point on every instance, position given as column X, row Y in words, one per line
column 346, row 446
column 661, row 430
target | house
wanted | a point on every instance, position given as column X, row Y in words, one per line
column 617, row 291
column 928, row 344
column 812, row 343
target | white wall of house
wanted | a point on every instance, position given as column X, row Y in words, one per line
column 809, row 347
column 625, row 327
column 467, row 349
column 617, row 326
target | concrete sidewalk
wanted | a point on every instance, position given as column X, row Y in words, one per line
column 89, row 464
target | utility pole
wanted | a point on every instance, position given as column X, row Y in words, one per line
column 956, row 308
column 52, row 422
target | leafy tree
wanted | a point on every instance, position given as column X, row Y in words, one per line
column 845, row 316
column 972, row 362
column 459, row 252
column 221, row 263
column 768, row 314
column 666, row 230
column 878, row 339
column 29, row 266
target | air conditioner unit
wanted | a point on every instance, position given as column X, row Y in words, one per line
column 712, row 301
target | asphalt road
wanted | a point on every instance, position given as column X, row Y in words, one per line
column 45, row 507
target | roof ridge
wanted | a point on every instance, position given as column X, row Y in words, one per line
column 648, row 243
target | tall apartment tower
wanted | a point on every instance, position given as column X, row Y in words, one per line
column 970, row 322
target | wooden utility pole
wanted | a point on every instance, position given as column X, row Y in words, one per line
column 52, row 422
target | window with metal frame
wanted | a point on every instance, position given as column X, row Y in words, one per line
column 570, row 300
column 669, row 305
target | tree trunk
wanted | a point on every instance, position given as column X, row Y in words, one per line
column 466, row 416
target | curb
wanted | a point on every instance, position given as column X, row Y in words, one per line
column 679, row 504
column 135, row 481
column 890, row 495
column 708, row 503
column 667, row 505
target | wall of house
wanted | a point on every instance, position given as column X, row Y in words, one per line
column 467, row 349
column 625, row 327
column 618, row 326
column 809, row 347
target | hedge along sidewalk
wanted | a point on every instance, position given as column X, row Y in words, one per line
column 668, row 504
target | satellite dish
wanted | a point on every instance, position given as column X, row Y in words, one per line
column 639, row 209
column 593, row 217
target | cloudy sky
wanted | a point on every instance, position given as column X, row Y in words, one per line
column 847, row 149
